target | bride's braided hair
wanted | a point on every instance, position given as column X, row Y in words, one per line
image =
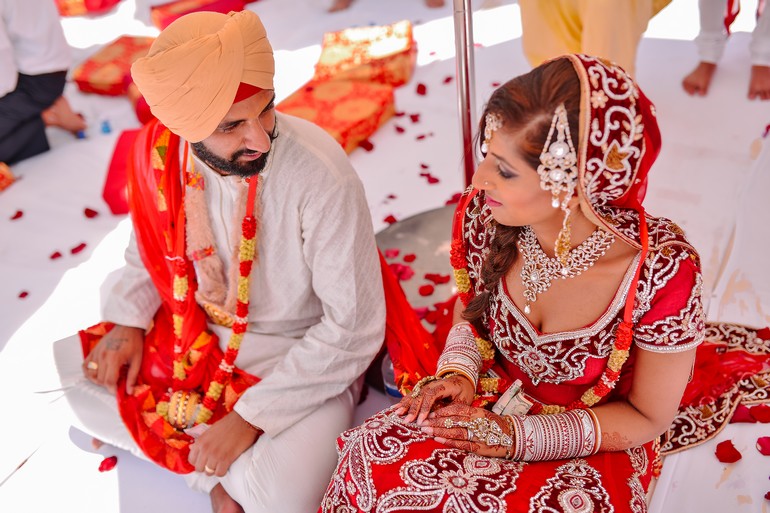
column 526, row 105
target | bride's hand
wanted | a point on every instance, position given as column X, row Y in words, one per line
column 451, row 389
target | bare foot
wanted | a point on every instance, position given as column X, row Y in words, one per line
column 221, row 502
column 61, row 115
column 340, row 5
column 697, row 82
column 434, row 3
column 759, row 84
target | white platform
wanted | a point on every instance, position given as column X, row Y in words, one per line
column 705, row 180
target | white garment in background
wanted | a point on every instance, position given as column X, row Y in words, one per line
column 712, row 36
column 31, row 41
column 317, row 311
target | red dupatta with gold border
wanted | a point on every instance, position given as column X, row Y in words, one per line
column 156, row 189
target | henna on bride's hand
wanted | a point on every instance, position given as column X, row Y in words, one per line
column 465, row 445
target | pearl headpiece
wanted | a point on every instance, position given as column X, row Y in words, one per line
column 492, row 123
column 558, row 161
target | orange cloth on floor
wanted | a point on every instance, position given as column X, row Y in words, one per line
column 384, row 54
column 106, row 70
column 348, row 110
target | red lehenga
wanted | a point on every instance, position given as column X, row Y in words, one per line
column 388, row 466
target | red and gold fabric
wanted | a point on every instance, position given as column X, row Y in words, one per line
column 348, row 110
column 156, row 189
column 387, row 466
column 384, row 54
column 81, row 7
column 105, row 72
column 163, row 15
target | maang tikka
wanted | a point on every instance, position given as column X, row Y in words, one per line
column 558, row 173
column 492, row 123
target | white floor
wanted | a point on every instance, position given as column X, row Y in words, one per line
column 705, row 179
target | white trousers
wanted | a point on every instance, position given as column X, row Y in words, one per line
column 288, row 473
column 712, row 37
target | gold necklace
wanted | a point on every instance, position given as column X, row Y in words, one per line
column 540, row 270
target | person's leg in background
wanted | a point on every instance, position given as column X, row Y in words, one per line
column 710, row 43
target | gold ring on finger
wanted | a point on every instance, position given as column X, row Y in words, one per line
column 208, row 470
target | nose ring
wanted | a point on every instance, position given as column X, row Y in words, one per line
column 486, row 182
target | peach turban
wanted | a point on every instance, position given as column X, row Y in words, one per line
column 194, row 68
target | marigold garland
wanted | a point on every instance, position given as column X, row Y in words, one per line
column 491, row 386
column 181, row 289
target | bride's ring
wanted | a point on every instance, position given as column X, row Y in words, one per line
column 92, row 366
column 449, row 423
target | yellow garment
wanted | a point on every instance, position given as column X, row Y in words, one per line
column 193, row 69
column 603, row 28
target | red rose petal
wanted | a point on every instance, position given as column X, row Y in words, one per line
column 761, row 412
column 17, row 215
column 422, row 90
column 108, row 463
column 495, row 84
column 366, row 144
column 399, row 113
column 90, row 213
column 77, row 249
column 763, row 445
column 411, row 257
column 423, row 165
column 415, row 118
column 390, row 219
column 742, row 414
column 431, row 179
column 55, row 255
column 400, row 129
column 448, row 79
column 23, row 294
column 426, row 290
column 432, row 316
column 727, row 453
column 402, row 272
column 454, row 199
column 391, row 252
column 436, row 278
column 767, row 496
column 420, row 137
column 391, row 196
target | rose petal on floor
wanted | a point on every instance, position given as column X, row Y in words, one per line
column 55, row 255
column 90, row 213
column 391, row 252
column 410, row 257
column 17, row 215
column 108, row 463
column 77, row 249
column 727, row 453
column 426, row 290
column 763, row 445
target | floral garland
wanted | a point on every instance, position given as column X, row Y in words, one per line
column 488, row 387
column 179, row 409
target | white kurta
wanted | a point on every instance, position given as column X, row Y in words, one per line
column 31, row 41
column 317, row 314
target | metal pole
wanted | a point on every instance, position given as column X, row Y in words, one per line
column 466, row 75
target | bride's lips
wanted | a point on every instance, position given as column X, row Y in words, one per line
column 492, row 203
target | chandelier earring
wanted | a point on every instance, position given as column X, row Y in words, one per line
column 492, row 123
column 558, row 160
